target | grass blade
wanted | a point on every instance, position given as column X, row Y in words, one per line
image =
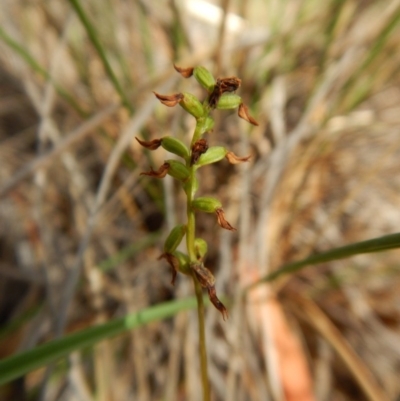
column 379, row 244
column 100, row 51
column 125, row 253
column 24, row 362
column 35, row 66
column 376, row 49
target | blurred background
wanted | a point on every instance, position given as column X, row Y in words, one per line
column 81, row 231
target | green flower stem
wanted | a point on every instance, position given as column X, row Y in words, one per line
column 190, row 237
column 202, row 339
column 200, row 128
column 191, row 221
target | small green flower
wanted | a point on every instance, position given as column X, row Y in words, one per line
column 201, row 248
column 229, row 101
column 212, row 205
column 206, row 204
column 204, row 78
column 192, row 105
column 213, row 155
column 178, row 170
column 174, row 238
column 175, row 146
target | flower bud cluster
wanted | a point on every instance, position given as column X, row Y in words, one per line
column 220, row 96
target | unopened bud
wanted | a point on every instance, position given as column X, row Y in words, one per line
column 213, row 155
column 204, row 78
column 178, row 170
column 175, row 146
column 229, row 101
column 192, row 105
column 200, row 247
column 206, row 204
column 174, row 238
column 184, row 262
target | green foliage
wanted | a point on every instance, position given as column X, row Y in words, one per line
column 374, row 245
column 24, row 362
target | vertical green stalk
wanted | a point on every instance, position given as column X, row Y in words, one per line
column 190, row 237
column 191, row 222
column 202, row 339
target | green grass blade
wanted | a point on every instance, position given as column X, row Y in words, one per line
column 376, row 49
column 91, row 31
column 379, row 244
column 125, row 253
column 334, row 13
column 20, row 364
column 381, row 40
column 35, row 66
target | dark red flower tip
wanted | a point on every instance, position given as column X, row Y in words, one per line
column 185, row 72
column 173, row 262
column 151, row 145
column 207, row 280
column 243, row 112
column 169, row 100
column 198, row 148
column 222, row 221
column 160, row 173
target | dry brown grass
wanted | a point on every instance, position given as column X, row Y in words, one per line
column 322, row 79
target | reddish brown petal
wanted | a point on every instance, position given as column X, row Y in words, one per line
column 173, row 262
column 169, row 100
column 205, row 277
column 214, row 97
column 207, row 280
column 212, row 294
column 221, row 220
column 185, row 72
column 160, row 173
column 233, row 159
column 152, row 145
column 229, row 84
column 198, row 148
column 243, row 112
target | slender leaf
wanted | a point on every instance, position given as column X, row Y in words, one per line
column 35, row 66
column 24, row 362
column 379, row 244
column 376, row 49
column 125, row 253
column 91, row 31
